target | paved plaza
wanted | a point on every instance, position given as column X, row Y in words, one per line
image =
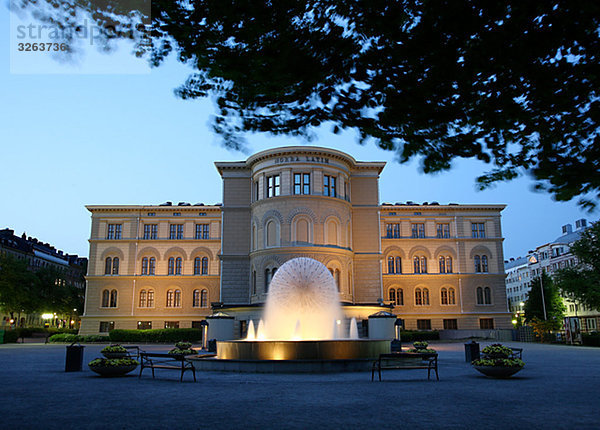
column 558, row 388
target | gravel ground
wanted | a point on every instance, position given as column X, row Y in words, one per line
column 558, row 388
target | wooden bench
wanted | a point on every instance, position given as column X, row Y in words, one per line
column 406, row 360
column 160, row 360
column 36, row 335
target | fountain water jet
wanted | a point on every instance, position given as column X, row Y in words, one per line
column 353, row 329
column 251, row 334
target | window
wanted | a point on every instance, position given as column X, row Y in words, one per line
column 450, row 324
column 143, row 298
column 424, row 324
column 273, row 186
column 202, row 231
column 197, row 266
column 486, row 323
column 171, row 324
column 420, row 264
column 254, row 282
column 108, row 266
column 177, row 299
column 151, row 266
column 591, row 324
column 445, row 264
column 105, row 298
column 484, row 296
column 204, row 298
column 150, row 302
column 196, row 299
column 144, row 325
column 197, row 324
column 106, row 326
column 393, row 231
column 481, row 263
column 425, row 297
column 114, row 231
column 392, row 295
column 478, row 230
column 113, row 299
column 256, row 191
column 170, row 298
column 115, row 266
column 329, row 186
column 394, row 264
column 205, row 265
column 443, row 231
column 271, row 230
column 176, row 231
column 418, row 230
column 150, row 231
column 418, row 297
column 451, row 296
column 301, row 183
column 145, row 266
column 171, row 266
column 444, row 294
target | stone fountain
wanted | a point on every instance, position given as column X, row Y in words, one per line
column 301, row 330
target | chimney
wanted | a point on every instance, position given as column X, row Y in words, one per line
column 567, row 228
column 581, row 223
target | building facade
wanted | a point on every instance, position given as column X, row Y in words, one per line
column 435, row 266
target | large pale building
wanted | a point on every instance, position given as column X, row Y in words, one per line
column 435, row 266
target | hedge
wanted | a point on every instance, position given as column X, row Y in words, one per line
column 70, row 338
column 414, row 335
column 591, row 339
column 11, row 336
column 156, row 335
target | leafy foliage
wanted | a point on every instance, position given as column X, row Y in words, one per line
column 582, row 282
column 555, row 309
column 112, row 362
column 156, row 335
column 510, row 83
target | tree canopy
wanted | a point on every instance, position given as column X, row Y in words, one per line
column 582, row 282
column 514, row 84
column 555, row 309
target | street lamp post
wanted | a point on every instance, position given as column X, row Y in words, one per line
column 534, row 260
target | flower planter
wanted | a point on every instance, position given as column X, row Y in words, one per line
column 498, row 371
column 115, row 354
column 113, row 370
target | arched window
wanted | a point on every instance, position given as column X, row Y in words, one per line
column 177, row 299
column 451, row 296
column 302, row 231
column 170, row 298
column 196, row 299
column 444, row 294
column 144, row 266
column 197, row 266
column 205, row 265
column 254, row 282
column 336, row 276
column 479, row 296
column 399, row 297
column 481, row 263
column 171, row 266
column 391, row 265
column 152, row 266
column 418, row 297
column 267, row 279
column 107, row 266
column 113, row 299
column 487, row 296
column 394, row 264
column 332, row 233
column 392, row 295
column 105, row 298
column 115, row 268
column 143, row 298
column 445, row 264
column 271, row 233
column 484, row 263
column 150, row 298
column 420, row 264
column 178, row 264
column 254, row 244
column 425, row 296
column 204, row 299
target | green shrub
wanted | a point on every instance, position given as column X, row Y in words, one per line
column 591, row 339
column 414, row 335
column 92, row 338
column 11, row 336
column 171, row 335
column 64, row 337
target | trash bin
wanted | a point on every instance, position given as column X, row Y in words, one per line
column 471, row 351
column 212, row 345
column 74, row 360
column 396, row 346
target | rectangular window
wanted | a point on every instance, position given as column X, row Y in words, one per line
column 451, row 324
column 486, row 323
column 273, row 186
column 424, row 324
column 176, row 231
column 591, row 324
column 443, row 231
column 202, row 231
column 171, row 324
column 144, row 325
column 106, row 326
column 197, row 324
column 114, row 231
column 478, row 230
column 256, row 191
column 329, row 186
column 297, row 183
column 306, row 183
column 150, row 231
column 418, row 230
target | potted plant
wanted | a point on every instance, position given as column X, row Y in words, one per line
column 497, row 361
column 113, row 366
column 183, row 348
column 114, row 351
column 420, row 345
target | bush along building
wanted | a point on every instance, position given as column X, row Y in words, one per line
column 41, row 286
column 159, row 266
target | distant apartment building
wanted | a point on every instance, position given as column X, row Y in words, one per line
column 549, row 258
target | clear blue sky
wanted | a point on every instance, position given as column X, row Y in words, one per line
column 70, row 139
